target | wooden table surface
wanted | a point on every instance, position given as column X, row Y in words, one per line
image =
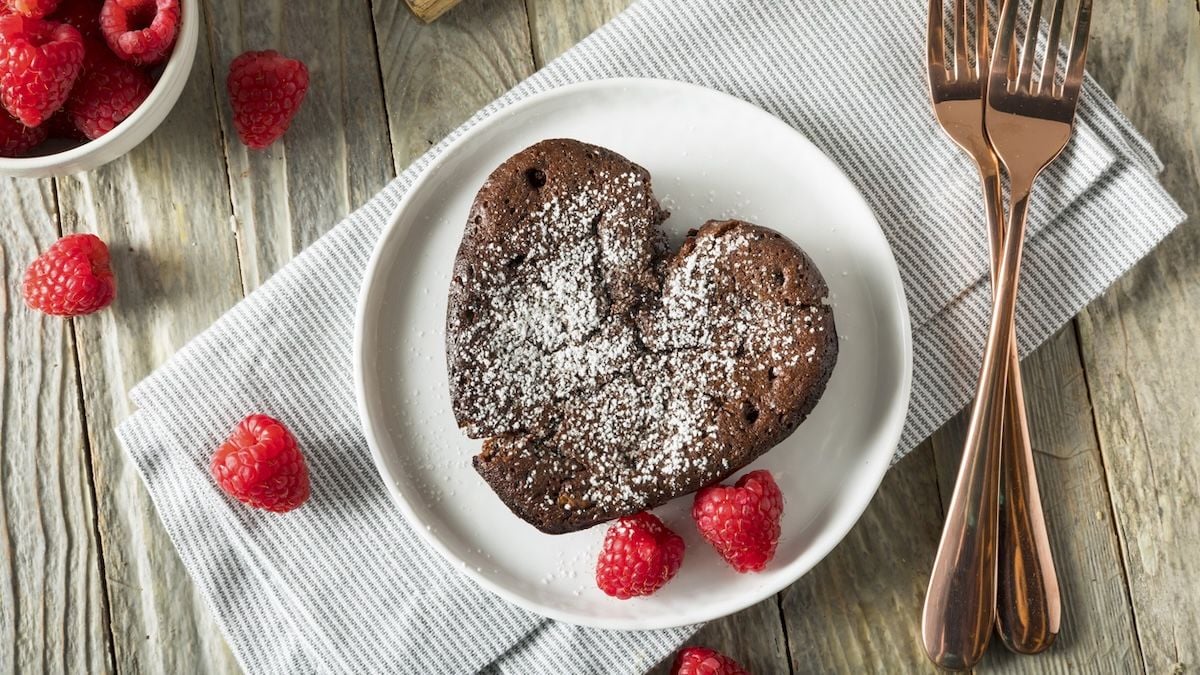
column 89, row 580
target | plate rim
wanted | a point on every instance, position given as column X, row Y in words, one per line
column 894, row 420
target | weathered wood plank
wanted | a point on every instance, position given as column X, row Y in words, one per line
column 53, row 616
column 557, row 25
column 334, row 157
column 1139, row 339
column 1097, row 625
column 858, row 611
column 437, row 76
column 164, row 210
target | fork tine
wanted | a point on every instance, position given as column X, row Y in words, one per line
column 1004, row 51
column 1051, row 63
column 1079, row 45
column 1027, row 53
column 961, row 68
column 936, row 37
column 982, row 38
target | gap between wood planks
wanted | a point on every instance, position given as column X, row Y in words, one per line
column 383, row 85
column 105, row 609
column 216, row 92
column 1126, row 580
column 787, row 642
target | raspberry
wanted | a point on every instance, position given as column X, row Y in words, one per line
column 71, row 278
column 639, row 555
column 140, row 31
column 265, row 91
column 260, row 465
column 16, row 139
column 84, row 15
column 108, row 91
column 741, row 522
column 39, row 62
column 705, row 661
column 34, row 9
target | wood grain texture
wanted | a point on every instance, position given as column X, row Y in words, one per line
column 334, row 157
column 754, row 640
column 164, row 210
column 1097, row 626
column 858, row 610
column 556, row 25
column 428, row 10
column 437, row 76
column 53, row 616
column 1139, row 339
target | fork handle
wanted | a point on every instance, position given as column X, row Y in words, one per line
column 1028, row 605
column 960, row 606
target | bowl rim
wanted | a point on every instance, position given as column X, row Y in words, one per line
column 875, row 467
column 176, row 70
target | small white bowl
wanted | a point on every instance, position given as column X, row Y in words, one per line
column 133, row 129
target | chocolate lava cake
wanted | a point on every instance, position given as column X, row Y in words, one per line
column 605, row 373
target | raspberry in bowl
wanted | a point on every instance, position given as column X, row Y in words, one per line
column 118, row 67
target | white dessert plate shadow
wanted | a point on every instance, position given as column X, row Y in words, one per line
column 710, row 156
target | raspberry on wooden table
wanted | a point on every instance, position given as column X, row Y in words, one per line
column 741, row 522
column 261, row 465
column 39, row 63
column 108, row 91
column 265, row 91
column 141, row 32
column 705, row 661
column 71, row 278
column 84, row 15
column 34, row 9
column 639, row 555
column 16, row 139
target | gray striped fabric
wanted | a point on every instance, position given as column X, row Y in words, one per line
column 344, row 585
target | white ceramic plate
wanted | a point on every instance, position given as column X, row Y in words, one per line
column 711, row 156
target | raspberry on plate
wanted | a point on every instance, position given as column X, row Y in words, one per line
column 84, row 15
column 140, row 31
column 16, row 139
column 705, row 661
column 108, row 91
column 39, row 63
column 639, row 555
column 34, row 9
column 261, row 466
column 71, row 278
column 265, row 91
column 741, row 522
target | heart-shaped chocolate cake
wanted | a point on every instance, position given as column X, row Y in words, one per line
column 607, row 374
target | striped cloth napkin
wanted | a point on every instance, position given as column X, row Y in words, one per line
column 344, row 585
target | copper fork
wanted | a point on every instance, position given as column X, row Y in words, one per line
column 1029, row 121
column 963, row 589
